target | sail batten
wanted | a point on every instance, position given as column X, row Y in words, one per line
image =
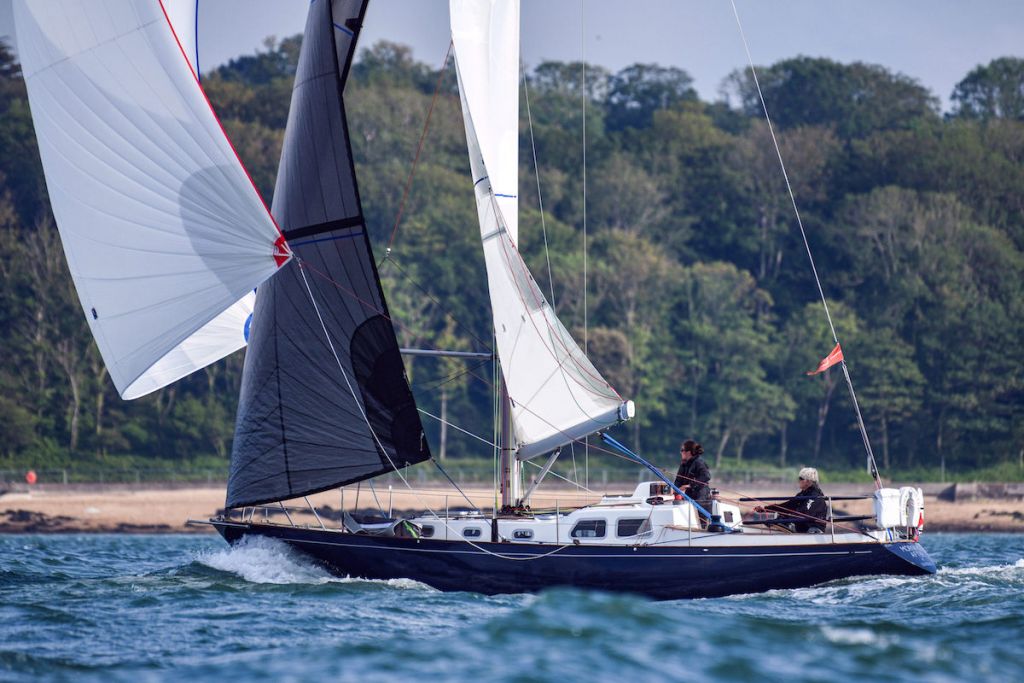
column 164, row 232
column 557, row 395
column 325, row 401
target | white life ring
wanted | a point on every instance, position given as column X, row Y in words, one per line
column 911, row 508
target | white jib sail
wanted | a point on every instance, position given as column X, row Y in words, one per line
column 557, row 395
column 164, row 232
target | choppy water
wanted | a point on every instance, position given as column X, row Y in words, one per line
column 189, row 608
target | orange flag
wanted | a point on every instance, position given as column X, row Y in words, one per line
column 828, row 361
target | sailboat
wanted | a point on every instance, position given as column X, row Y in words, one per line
column 167, row 238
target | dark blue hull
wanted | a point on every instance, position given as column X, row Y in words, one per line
column 662, row 573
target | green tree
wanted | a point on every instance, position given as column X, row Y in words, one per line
column 856, row 98
column 891, row 385
column 636, row 92
column 723, row 347
column 992, row 91
column 808, row 152
column 628, row 270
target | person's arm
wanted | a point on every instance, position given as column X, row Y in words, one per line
column 698, row 484
column 782, row 508
column 705, row 472
column 819, row 509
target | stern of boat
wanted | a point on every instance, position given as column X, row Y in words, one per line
column 916, row 559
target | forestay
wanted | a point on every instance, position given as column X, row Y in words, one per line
column 164, row 232
column 557, row 395
column 325, row 401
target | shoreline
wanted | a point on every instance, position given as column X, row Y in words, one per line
column 149, row 509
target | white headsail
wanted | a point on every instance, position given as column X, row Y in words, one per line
column 557, row 395
column 165, row 234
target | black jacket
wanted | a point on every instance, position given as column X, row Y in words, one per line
column 693, row 477
column 805, row 505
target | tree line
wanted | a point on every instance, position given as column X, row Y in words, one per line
column 701, row 305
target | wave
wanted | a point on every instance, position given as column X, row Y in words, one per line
column 871, row 590
column 998, row 571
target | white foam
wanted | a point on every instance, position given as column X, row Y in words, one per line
column 265, row 560
column 258, row 559
column 998, row 570
column 855, row 636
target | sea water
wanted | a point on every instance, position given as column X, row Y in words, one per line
column 121, row 607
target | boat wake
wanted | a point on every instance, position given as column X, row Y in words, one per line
column 999, row 571
column 257, row 559
column 867, row 590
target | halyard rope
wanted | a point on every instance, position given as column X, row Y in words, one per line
column 419, row 147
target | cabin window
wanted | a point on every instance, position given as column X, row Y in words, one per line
column 522, row 533
column 589, row 528
column 728, row 516
column 427, row 530
column 471, row 532
column 632, row 527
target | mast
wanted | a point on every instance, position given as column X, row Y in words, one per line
column 509, row 465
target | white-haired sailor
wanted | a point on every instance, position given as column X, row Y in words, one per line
column 807, row 509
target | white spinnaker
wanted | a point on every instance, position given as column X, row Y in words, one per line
column 164, row 232
column 557, row 395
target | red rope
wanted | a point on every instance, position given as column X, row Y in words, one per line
column 419, row 148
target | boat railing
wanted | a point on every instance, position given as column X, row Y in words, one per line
column 773, row 524
column 776, row 523
column 248, row 513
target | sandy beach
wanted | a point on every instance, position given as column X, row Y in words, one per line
column 136, row 509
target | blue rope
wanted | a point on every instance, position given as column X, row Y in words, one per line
column 198, row 75
column 619, row 447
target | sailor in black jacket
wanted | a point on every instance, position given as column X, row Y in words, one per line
column 693, row 474
column 808, row 505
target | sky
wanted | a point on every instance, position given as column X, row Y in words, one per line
column 935, row 41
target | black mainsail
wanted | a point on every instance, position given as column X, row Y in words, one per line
column 317, row 410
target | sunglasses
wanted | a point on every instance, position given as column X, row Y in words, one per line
column 802, row 479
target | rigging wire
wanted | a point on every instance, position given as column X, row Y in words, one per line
column 447, row 379
column 451, row 316
column 799, row 221
column 452, row 481
column 540, row 197
column 455, row 427
column 559, row 476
